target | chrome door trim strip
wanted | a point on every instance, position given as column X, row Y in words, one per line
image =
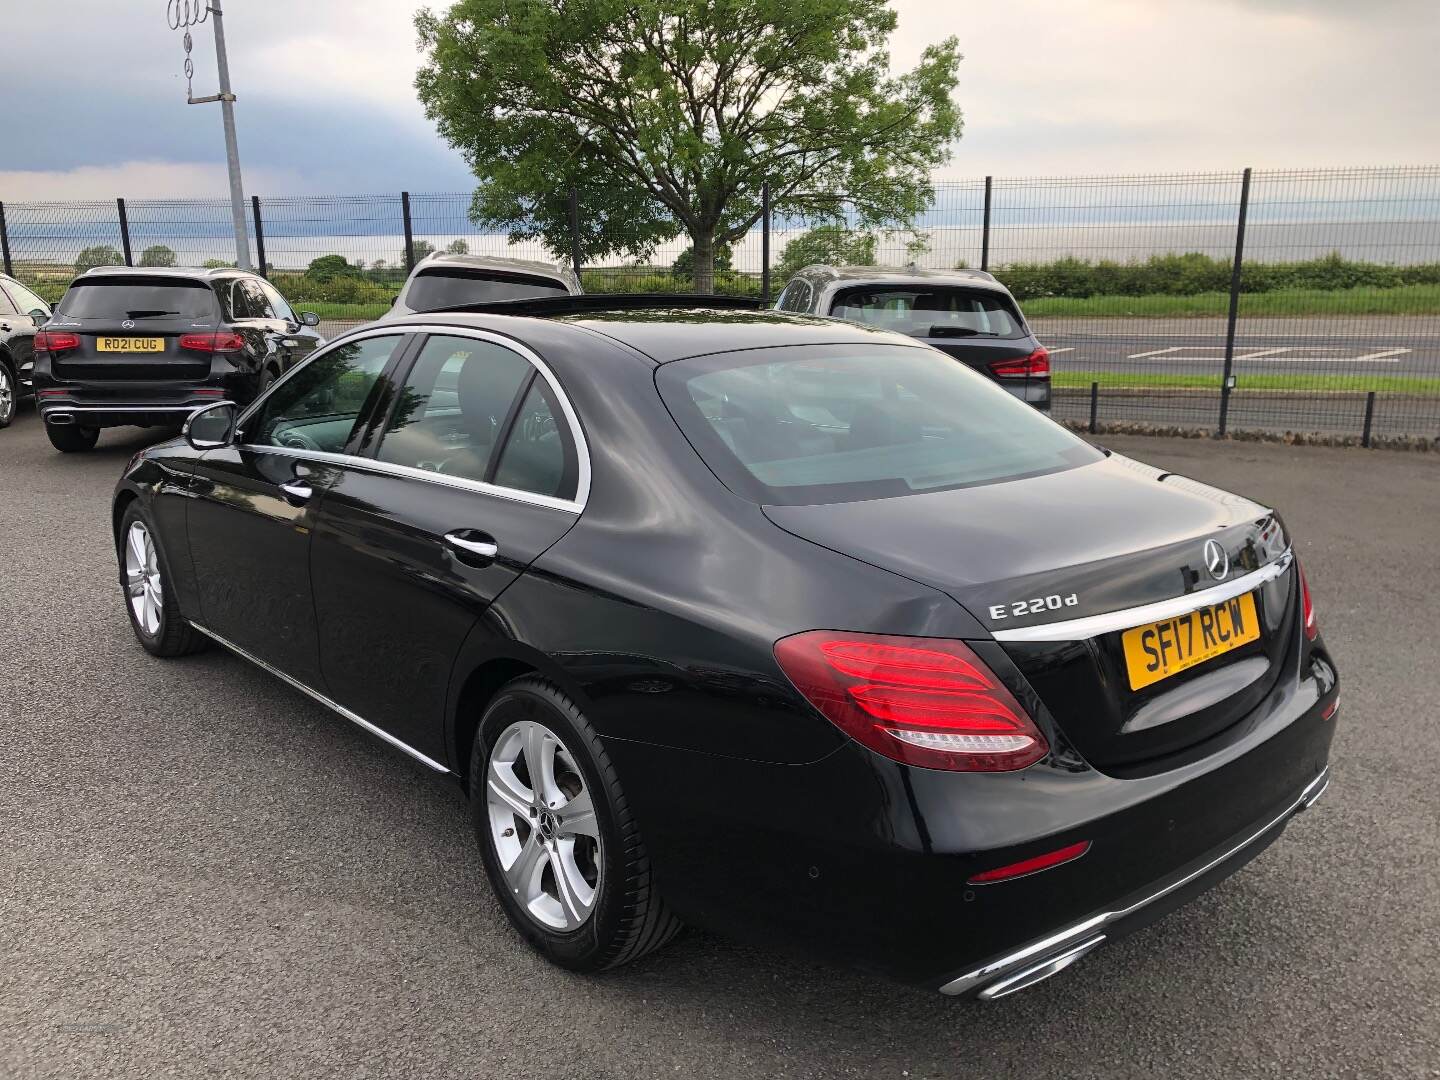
column 387, row 468
column 354, row 718
column 1000, row 969
column 1094, row 625
column 401, row 329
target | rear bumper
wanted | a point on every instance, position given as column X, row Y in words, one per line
column 1038, row 960
column 162, row 406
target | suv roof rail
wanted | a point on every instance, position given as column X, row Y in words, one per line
column 564, row 305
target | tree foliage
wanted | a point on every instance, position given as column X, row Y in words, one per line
column 98, row 255
column 327, row 267
column 157, row 255
column 832, row 244
column 684, row 264
column 457, row 247
column 668, row 115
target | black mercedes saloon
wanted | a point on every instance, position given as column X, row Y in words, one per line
column 785, row 627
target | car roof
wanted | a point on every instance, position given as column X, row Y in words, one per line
column 197, row 273
column 665, row 334
column 559, row 271
column 821, row 273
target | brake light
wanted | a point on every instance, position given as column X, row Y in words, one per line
column 56, row 341
column 221, row 342
column 1307, row 609
column 1037, row 363
column 1032, row 865
column 922, row 701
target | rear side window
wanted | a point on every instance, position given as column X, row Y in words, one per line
column 434, row 289
column 139, row 298
column 25, row 301
column 929, row 311
column 836, row 423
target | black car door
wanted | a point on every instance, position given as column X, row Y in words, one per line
column 266, row 332
column 471, row 472
column 297, row 340
column 254, row 503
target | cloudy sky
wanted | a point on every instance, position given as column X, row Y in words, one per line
column 1048, row 87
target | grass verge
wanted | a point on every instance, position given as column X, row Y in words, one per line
column 1401, row 300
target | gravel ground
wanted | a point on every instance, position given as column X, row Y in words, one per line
column 203, row 873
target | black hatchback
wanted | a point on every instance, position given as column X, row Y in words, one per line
column 147, row 346
column 785, row 627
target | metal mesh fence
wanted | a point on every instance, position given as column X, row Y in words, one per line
column 1129, row 280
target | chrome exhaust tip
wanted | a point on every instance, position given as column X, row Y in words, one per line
column 59, row 419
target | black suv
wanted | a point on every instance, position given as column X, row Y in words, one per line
column 21, row 311
column 966, row 314
column 145, row 347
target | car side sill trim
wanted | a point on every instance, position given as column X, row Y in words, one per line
column 1094, row 625
column 354, row 718
column 1032, row 956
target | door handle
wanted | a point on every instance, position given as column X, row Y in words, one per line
column 472, row 547
column 297, row 492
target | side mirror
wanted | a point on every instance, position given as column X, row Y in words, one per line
column 309, row 318
column 211, row 427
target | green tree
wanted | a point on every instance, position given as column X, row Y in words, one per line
column 684, row 264
column 832, row 244
column 668, row 115
column 458, row 247
column 216, row 264
column 99, row 255
column 157, row 255
column 329, row 267
column 422, row 248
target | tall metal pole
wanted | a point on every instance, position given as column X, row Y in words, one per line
column 985, row 227
column 1227, row 378
column 765, row 244
column 232, row 146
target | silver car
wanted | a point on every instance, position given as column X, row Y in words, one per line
column 445, row 281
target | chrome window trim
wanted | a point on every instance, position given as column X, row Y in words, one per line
column 1094, row 625
column 354, row 718
column 401, row 329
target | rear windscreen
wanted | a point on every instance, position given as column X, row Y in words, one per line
column 929, row 311
column 139, row 298
column 435, row 289
column 837, row 423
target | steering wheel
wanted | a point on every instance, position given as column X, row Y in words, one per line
column 294, row 439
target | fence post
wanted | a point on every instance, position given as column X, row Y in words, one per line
column 985, row 228
column 259, row 235
column 765, row 244
column 124, row 231
column 1369, row 419
column 575, row 229
column 1234, row 314
column 1094, row 406
column 5, row 243
column 409, row 233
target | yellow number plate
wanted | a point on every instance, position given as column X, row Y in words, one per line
column 1170, row 646
column 129, row 344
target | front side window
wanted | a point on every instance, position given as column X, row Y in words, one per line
column 432, row 290
column 26, row 302
column 929, row 311
column 838, row 423
column 318, row 406
column 256, row 302
column 278, row 304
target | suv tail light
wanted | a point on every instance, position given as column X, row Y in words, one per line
column 923, row 701
column 1037, row 363
column 55, row 341
column 221, row 342
column 1307, row 609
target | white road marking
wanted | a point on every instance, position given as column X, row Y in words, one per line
column 1155, row 352
column 1368, row 357
column 1068, row 348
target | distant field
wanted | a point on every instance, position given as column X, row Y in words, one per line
column 1147, row 380
column 1401, row 300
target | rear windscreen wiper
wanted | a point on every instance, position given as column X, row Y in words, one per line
column 958, row 331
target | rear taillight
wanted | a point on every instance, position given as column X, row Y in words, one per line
column 923, row 701
column 1037, row 363
column 1307, row 609
column 55, row 341
column 221, row 342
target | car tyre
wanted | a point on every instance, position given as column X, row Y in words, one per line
column 542, row 885
column 149, row 598
column 9, row 395
column 71, row 438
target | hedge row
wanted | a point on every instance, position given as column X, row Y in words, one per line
column 1193, row 273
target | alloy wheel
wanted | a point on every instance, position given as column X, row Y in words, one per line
column 142, row 578
column 7, row 395
column 543, row 826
